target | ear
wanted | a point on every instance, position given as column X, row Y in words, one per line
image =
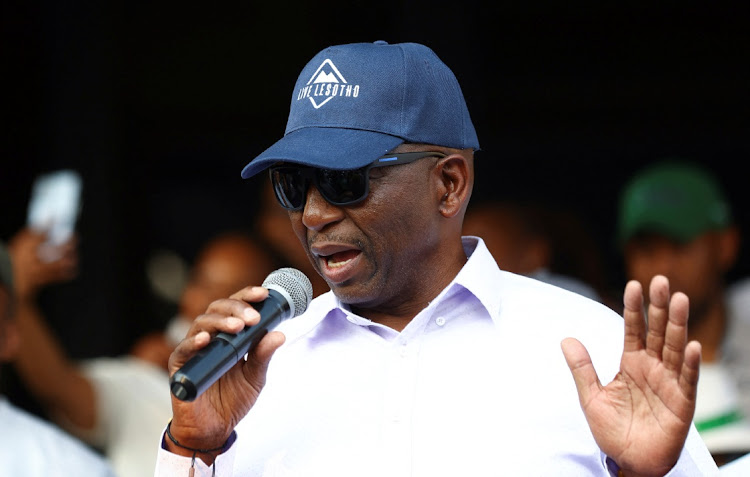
column 455, row 184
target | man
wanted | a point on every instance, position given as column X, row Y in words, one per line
column 424, row 359
column 675, row 220
column 120, row 404
column 30, row 446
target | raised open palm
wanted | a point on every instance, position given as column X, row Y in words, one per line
column 641, row 419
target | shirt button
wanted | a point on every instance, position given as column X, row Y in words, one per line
column 440, row 321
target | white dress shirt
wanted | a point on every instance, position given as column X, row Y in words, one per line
column 32, row 447
column 475, row 385
column 133, row 407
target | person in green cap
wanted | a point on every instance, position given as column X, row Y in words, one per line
column 675, row 220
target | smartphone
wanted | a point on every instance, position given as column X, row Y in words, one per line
column 54, row 207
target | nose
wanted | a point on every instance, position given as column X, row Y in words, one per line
column 318, row 212
column 667, row 255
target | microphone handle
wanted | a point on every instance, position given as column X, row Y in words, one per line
column 227, row 349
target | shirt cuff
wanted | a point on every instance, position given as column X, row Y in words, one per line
column 612, row 467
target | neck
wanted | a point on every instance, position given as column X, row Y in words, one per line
column 399, row 314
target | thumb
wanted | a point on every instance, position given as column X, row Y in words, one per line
column 259, row 358
column 267, row 347
column 584, row 374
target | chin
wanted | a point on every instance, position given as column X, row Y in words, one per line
column 352, row 295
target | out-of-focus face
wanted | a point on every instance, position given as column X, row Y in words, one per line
column 514, row 249
column 695, row 268
column 372, row 254
column 226, row 266
column 273, row 224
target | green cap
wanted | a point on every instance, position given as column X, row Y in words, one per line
column 674, row 199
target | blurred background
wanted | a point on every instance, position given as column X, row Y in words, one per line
column 159, row 105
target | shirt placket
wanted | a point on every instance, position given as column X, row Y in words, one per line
column 399, row 392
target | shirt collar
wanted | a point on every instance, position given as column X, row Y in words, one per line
column 479, row 276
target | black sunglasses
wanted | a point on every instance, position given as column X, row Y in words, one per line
column 339, row 187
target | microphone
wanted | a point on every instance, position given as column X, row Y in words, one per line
column 289, row 294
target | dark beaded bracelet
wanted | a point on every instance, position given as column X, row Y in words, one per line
column 194, row 450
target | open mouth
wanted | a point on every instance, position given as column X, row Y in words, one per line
column 339, row 259
column 338, row 262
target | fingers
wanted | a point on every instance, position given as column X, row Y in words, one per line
column 668, row 331
column 186, row 349
column 633, row 313
column 31, row 271
column 584, row 374
column 667, row 324
column 260, row 356
column 239, row 305
column 27, row 238
column 61, row 269
column 665, row 335
column 675, row 336
column 250, row 294
column 690, row 370
column 228, row 315
column 267, row 346
column 658, row 315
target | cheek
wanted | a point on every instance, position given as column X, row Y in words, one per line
column 400, row 218
column 299, row 230
column 698, row 274
column 297, row 227
column 403, row 232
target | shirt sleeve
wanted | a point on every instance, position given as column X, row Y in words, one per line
column 695, row 460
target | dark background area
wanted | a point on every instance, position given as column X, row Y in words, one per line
column 160, row 105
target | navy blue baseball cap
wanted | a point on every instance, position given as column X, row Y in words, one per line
column 354, row 103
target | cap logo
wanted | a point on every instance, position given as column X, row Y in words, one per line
column 325, row 84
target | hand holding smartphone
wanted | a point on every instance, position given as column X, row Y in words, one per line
column 54, row 208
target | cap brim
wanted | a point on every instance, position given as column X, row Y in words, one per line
column 664, row 226
column 327, row 148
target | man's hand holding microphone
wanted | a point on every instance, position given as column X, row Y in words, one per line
column 213, row 385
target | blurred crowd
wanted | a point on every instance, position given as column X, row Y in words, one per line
column 673, row 218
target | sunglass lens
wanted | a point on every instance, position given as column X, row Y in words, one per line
column 343, row 187
column 290, row 186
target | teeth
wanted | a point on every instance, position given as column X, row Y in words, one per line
column 333, row 264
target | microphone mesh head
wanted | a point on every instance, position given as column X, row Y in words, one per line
column 295, row 284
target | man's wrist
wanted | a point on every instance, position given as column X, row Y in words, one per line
column 206, row 453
